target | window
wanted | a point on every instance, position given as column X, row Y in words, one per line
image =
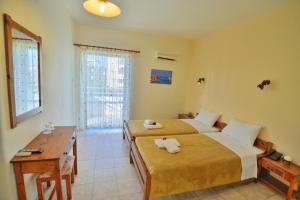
column 105, row 86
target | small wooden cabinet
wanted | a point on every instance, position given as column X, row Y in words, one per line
column 185, row 116
column 289, row 173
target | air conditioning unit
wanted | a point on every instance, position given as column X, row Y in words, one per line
column 165, row 56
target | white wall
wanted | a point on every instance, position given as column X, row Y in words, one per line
column 148, row 100
column 49, row 20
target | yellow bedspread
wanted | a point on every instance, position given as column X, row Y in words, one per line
column 201, row 163
column 170, row 127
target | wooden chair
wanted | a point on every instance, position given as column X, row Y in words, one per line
column 67, row 175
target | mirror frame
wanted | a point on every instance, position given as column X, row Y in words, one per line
column 9, row 24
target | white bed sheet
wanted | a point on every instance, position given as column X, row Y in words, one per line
column 248, row 155
column 200, row 127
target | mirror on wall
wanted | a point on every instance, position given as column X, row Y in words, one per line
column 23, row 60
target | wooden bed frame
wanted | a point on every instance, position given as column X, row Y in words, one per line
column 144, row 174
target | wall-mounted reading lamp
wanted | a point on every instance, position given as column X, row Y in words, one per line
column 201, row 80
column 263, row 84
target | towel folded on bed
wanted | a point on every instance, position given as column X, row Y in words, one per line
column 159, row 143
column 174, row 141
column 156, row 126
column 170, row 144
column 171, row 147
column 149, row 122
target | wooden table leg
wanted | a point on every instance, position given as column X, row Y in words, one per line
column 75, row 154
column 58, row 187
column 291, row 189
column 258, row 169
column 72, row 176
column 19, row 181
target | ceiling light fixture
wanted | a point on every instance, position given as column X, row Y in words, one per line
column 102, row 8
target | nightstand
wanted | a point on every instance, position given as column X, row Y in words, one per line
column 185, row 116
column 289, row 173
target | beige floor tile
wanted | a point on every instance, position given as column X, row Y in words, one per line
column 276, row 197
column 105, row 175
column 129, row 187
column 87, row 165
column 84, row 177
column 263, row 189
column 106, row 198
column 184, row 196
column 105, row 190
column 137, row 196
column 122, row 162
column 121, row 154
column 82, row 192
column 208, row 194
column 105, row 163
column 104, row 154
column 231, row 194
column 126, row 173
column 250, row 191
column 85, row 157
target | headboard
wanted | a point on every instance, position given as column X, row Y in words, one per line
column 220, row 125
column 264, row 145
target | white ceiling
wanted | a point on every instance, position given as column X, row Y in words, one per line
column 187, row 18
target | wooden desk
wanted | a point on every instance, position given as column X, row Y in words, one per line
column 56, row 147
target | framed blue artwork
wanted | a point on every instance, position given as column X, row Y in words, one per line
column 161, row 76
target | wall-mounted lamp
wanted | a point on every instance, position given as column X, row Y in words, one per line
column 263, row 84
column 201, row 80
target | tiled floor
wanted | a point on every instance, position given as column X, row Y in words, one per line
column 104, row 173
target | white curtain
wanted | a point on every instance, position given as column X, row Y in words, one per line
column 104, row 87
column 25, row 61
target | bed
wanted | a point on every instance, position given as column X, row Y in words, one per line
column 135, row 128
column 205, row 160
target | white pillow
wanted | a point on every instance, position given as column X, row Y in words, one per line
column 207, row 118
column 244, row 133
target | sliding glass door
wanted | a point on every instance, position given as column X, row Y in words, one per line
column 105, row 83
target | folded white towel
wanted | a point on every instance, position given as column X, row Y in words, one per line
column 170, row 144
column 171, row 147
column 157, row 125
column 149, row 122
column 174, row 141
column 159, row 143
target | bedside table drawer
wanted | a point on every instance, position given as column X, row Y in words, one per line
column 273, row 169
column 289, row 177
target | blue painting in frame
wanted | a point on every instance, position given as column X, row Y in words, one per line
column 161, row 76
